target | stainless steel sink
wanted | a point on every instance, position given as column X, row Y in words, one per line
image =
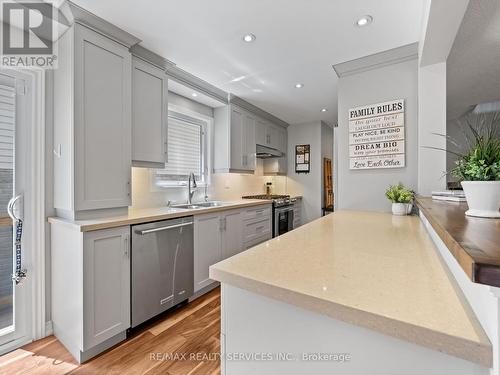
column 194, row 206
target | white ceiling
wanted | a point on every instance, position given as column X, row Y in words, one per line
column 473, row 66
column 297, row 41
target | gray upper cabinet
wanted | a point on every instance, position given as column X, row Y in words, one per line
column 261, row 136
column 92, row 123
column 234, row 140
column 270, row 135
column 149, row 115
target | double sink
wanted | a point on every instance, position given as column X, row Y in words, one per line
column 200, row 205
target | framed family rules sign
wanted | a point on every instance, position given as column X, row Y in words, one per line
column 377, row 135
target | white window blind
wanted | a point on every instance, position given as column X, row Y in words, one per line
column 186, row 149
column 7, row 126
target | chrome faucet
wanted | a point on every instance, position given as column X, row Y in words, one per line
column 191, row 192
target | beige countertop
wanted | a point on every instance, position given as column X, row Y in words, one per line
column 370, row 269
column 144, row 215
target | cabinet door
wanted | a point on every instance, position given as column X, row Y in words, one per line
column 149, row 115
column 261, row 132
column 207, row 247
column 297, row 213
column 249, row 147
column 106, row 284
column 102, row 121
column 283, row 140
column 236, row 138
column 273, row 137
column 232, row 235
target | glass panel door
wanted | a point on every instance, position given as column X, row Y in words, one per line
column 15, row 117
column 7, row 132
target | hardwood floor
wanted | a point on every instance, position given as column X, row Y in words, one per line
column 166, row 346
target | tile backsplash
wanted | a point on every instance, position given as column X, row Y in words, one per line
column 223, row 186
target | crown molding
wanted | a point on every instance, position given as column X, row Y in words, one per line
column 233, row 99
column 149, row 56
column 90, row 20
column 197, row 84
column 377, row 60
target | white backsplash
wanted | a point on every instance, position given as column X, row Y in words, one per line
column 223, row 186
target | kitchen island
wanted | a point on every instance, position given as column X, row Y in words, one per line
column 350, row 293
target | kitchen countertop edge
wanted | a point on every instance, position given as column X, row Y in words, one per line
column 134, row 217
column 477, row 352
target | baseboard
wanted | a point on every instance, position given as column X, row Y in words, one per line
column 204, row 290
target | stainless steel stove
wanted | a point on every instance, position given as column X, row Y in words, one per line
column 278, row 200
column 282, row 211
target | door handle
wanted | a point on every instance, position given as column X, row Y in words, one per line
column 11, row 206
column 143, row 232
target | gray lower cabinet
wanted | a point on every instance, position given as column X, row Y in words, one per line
column 216, row 237
column 92, row 123
column 149, row 115
column 223, row 234
column 207, row 247
column 106, row 284
column 90, row 288
column 297, row 213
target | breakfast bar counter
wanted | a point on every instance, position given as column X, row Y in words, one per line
column 367, row 269
column 473, row 241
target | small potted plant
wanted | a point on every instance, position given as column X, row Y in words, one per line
column 401, row 198
column 478, row 169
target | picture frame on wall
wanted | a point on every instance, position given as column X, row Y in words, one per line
column 302, row 158
column 377, row 136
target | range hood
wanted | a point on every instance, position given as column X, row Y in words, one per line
column 264, row 152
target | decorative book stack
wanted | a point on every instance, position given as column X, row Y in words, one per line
column 449, row 195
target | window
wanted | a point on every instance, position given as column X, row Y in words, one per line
column 187, row 151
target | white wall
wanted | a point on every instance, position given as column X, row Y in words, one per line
column 307, row 185
column 365, row 189
column 431, row 121
column 189, row 104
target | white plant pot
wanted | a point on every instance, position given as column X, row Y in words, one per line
column 400, row 209
column 483, row 198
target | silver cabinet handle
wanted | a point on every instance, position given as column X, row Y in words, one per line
column 126, row 245
column 143, row 232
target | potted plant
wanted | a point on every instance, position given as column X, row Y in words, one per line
column 478, row 169
column 401, row 198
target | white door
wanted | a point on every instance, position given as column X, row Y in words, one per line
column 15, row 131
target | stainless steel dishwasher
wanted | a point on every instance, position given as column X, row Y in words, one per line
column 162, row 266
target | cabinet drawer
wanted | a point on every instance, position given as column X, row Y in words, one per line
column 257, row 214
column 256, row 241
column 256, row 230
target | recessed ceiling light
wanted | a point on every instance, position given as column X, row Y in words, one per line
column 299, row 85
column 364, row 21
column 324, row 110
column 249, row 38
column 194, row 95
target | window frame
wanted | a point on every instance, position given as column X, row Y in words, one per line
column 206, row 124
